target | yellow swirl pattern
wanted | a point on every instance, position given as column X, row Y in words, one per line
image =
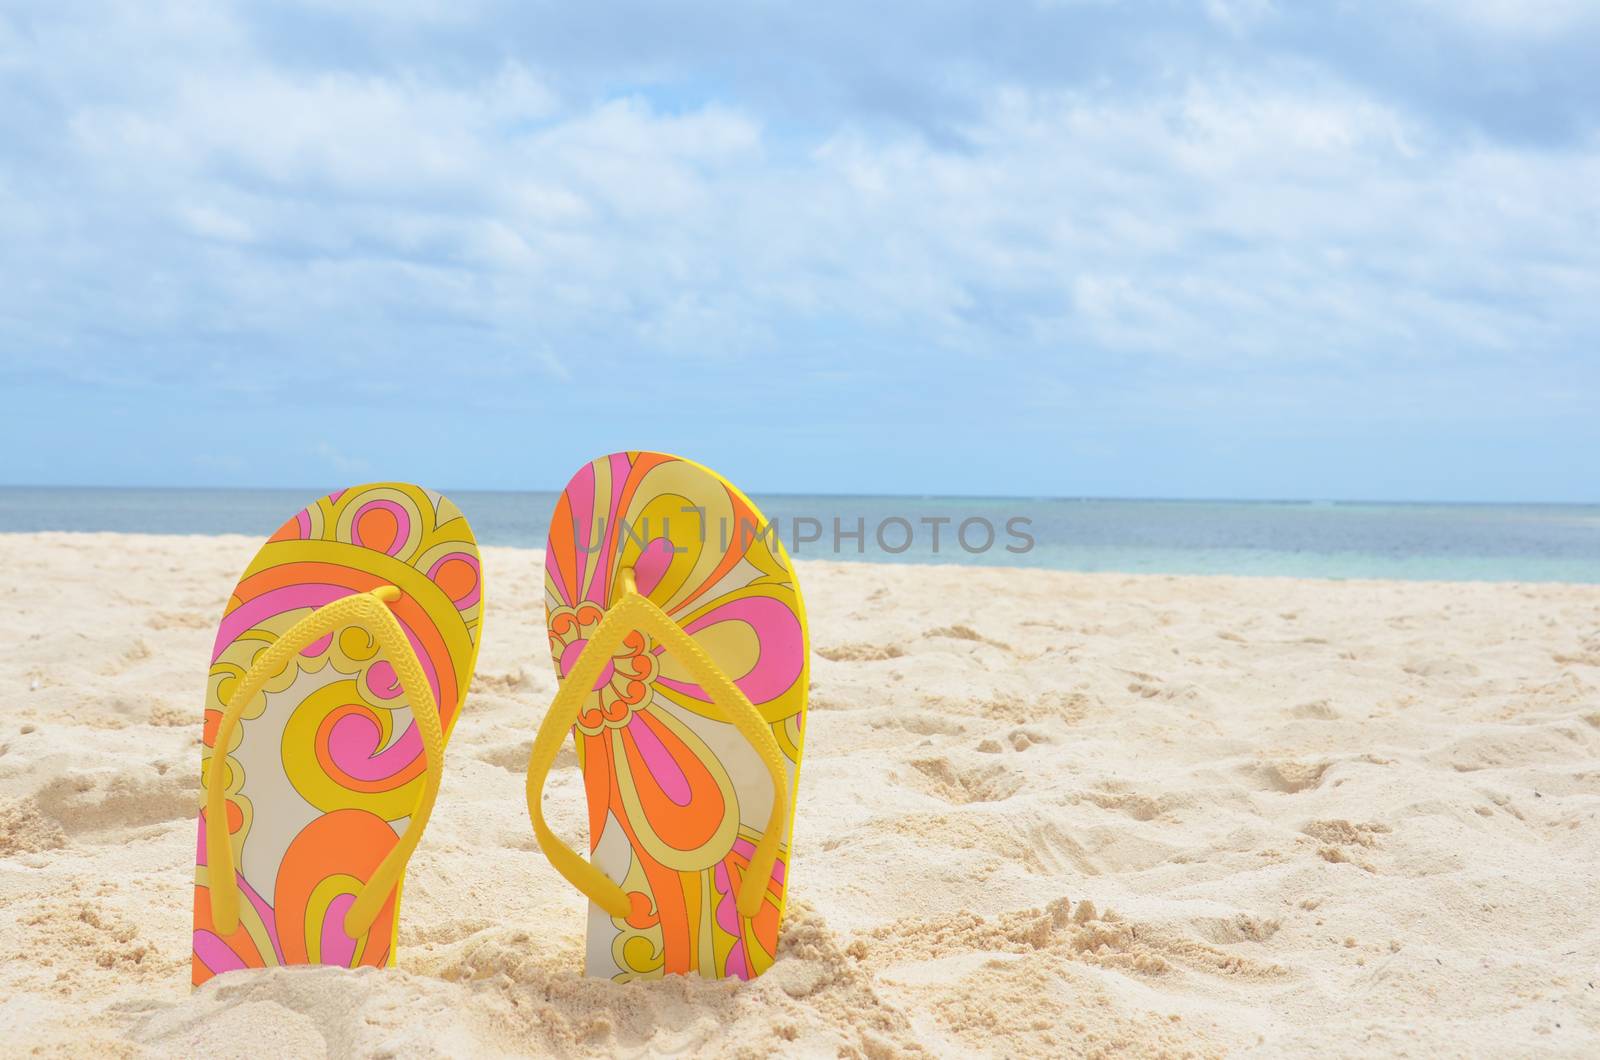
column 334, row 758
column 679, row 797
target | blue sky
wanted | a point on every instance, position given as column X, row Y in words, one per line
column 1070, row 247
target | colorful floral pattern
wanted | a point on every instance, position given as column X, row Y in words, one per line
column 677, row 797
column 326, row 764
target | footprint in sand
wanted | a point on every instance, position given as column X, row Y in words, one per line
column 919, row 724
column 512, row 756
column 1241, row 927
column 514, row 681
column 181, row 620
column 132, row 656
column 967, row 633
column 84, row 804
column 1316, row 710
column 990, row 782
column 861, row 652
column 1288, row 776
column 1137, row 806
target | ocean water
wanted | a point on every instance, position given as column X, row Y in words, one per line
column 1478, row 542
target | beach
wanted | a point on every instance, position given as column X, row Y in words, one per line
column 1040, row 813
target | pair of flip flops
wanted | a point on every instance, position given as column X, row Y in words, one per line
column 342, row 664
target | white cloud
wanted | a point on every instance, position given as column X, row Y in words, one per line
column 1239, row 15
column 1265, row 211
column 1521, row 18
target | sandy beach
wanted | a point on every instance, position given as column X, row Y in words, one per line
column 1040, row 813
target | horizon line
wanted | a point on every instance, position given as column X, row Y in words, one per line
column 1035, row 498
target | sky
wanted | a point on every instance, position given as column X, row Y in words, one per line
column 1233, row 248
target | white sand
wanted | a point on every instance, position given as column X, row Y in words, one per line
column 1040, row 813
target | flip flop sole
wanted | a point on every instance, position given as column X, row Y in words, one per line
column 327, row 765
column 677, row 797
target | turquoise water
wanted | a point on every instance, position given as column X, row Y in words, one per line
column 1301, row 539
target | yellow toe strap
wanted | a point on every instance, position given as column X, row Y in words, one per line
column 369, row 611
column 635, row 611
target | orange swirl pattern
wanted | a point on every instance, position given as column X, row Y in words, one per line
column 677, row 799
column 327, row 762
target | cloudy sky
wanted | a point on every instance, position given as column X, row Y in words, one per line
column 1236, row 248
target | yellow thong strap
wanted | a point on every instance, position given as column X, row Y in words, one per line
column 635, row 611
column 369, row 611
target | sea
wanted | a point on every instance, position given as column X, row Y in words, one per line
column 1295, row 538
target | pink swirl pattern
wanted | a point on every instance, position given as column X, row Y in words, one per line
column 675, row 821
column 335, row 725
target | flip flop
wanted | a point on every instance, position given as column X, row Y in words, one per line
column 679, row 639
column 340, row 667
